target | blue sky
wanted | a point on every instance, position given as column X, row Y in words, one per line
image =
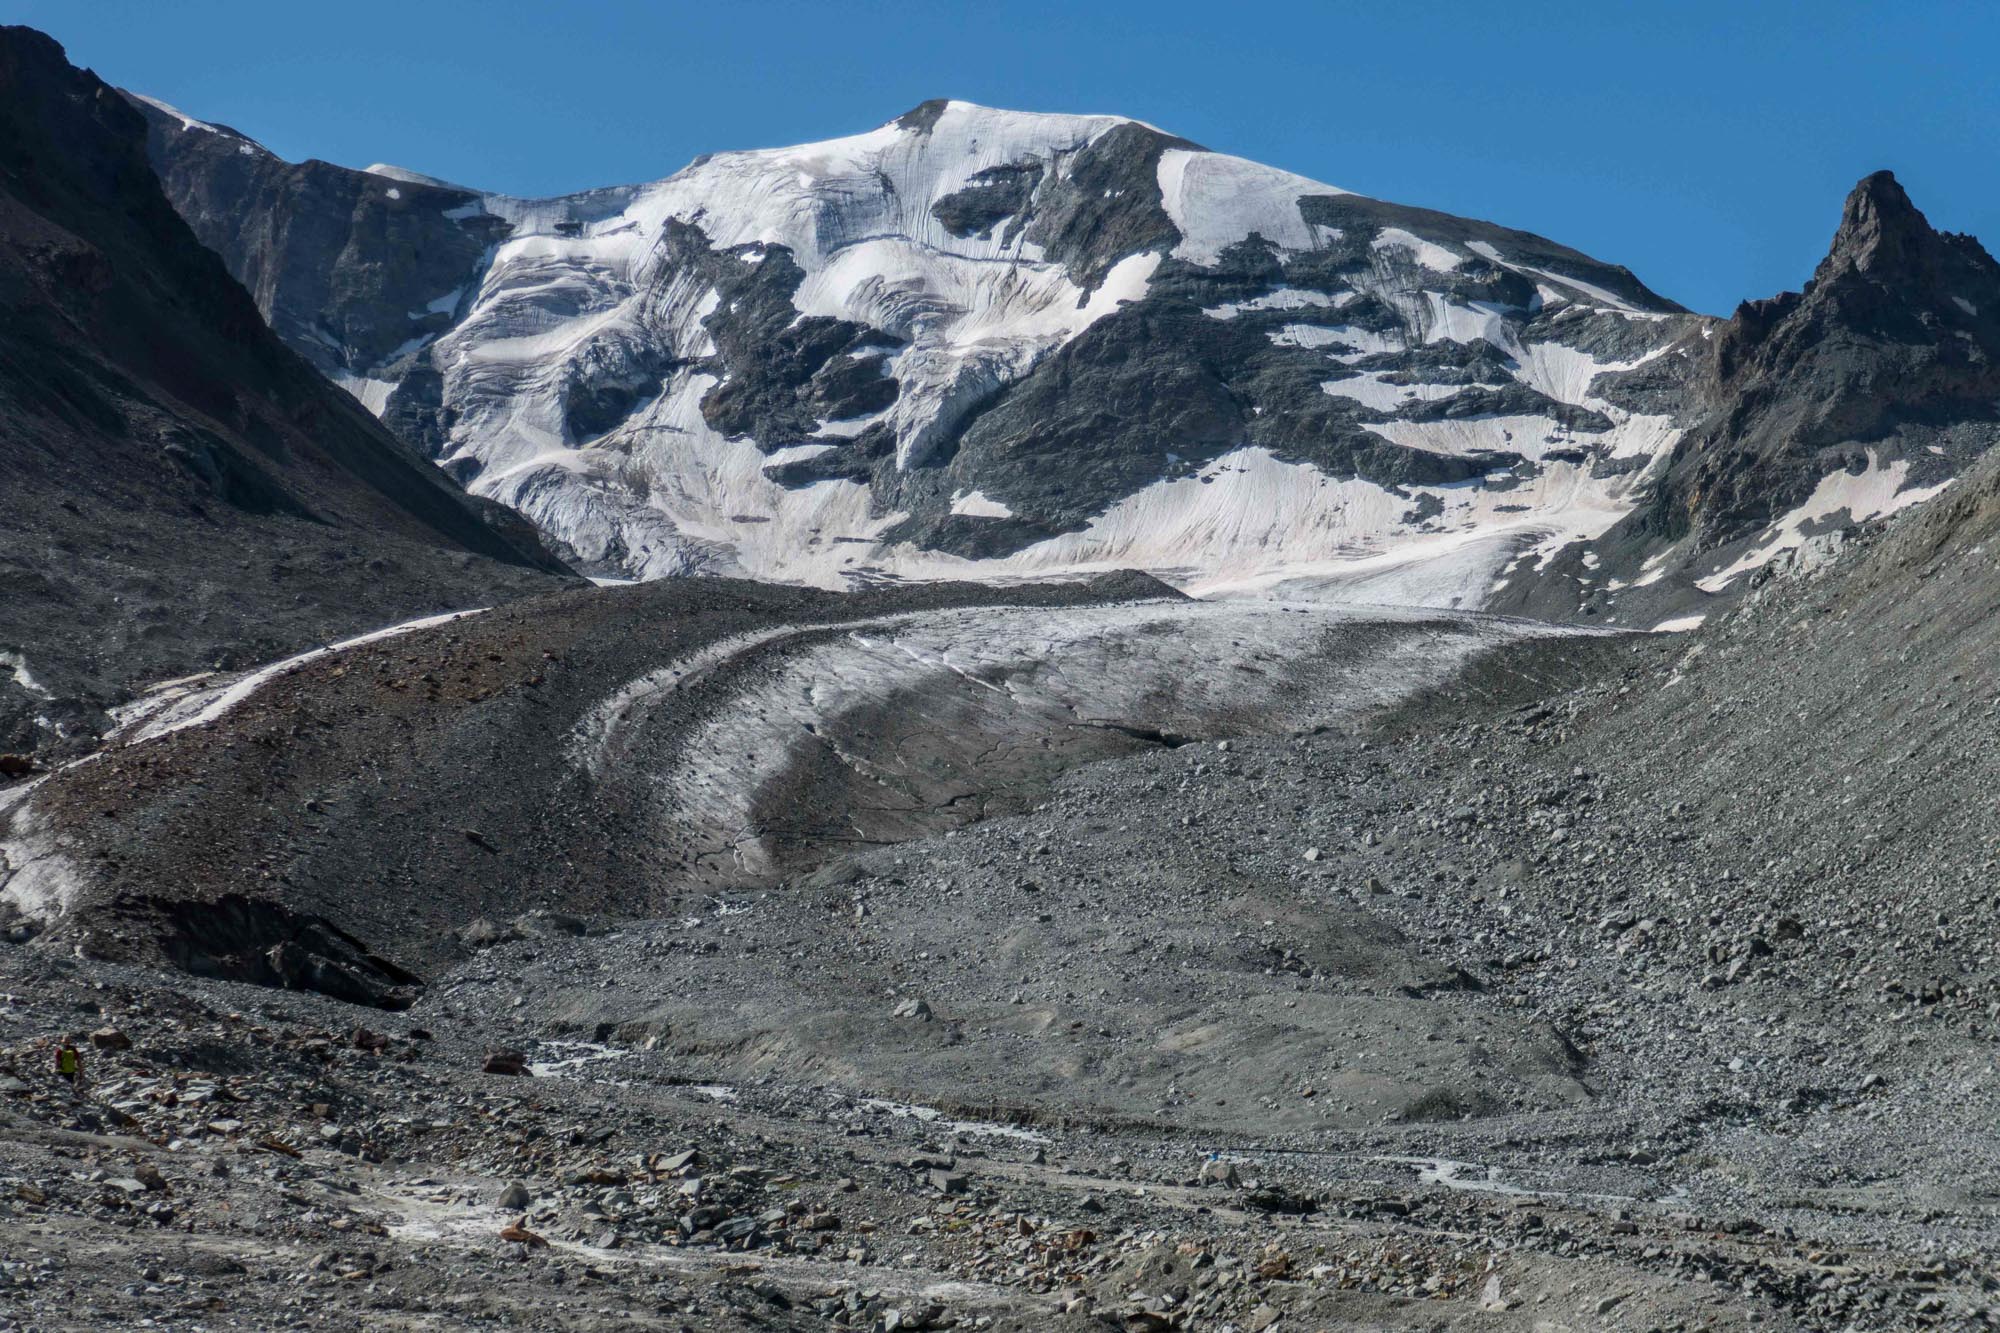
column 1707, row 146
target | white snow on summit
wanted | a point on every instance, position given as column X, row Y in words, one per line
column 1217, row 200
column 408, row 177
column 1428, row 253
column 584, row 282
column 976, row 313
column 187, row 122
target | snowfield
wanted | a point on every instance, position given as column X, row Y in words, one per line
column 978, row 343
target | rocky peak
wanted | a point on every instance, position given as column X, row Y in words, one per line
column 1887, row 362
column 1886, row 241
column 1889, row 280
column 924, row 115
column 1879, row 228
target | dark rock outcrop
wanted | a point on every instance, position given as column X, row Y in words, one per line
column 348, row 266
column 1886, row 365
column 777, row 372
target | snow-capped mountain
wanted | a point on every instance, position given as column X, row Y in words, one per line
column 970, row 341
column 986, row 343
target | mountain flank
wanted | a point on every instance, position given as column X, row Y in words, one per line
column 184, row 493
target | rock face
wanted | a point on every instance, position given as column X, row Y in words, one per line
column 181, row 488
column 351, row 269
column 1855, row 397
column 1893, row 345
column 969, row 341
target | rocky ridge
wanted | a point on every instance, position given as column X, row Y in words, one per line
column 183, row 492
column 1867, row 392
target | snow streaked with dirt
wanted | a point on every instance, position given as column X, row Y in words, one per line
column 676, row 497
column 180, row 708
column 931, row 715
column 1250, row 519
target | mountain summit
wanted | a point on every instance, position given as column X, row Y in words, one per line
column 1880, row 229
column 1859, row 395
column 976, row 342
column 968, row 340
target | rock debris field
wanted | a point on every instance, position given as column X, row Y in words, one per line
column 1401, row 983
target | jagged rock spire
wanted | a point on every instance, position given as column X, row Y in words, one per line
column 1879, row 227
column 1884, row 239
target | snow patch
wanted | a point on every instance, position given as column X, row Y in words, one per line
column 796, row 453
column 372, row 394
column 1458, row 437
column 1215, row 201
column 403, row 174
column 972, row 504
column 199, row 707
column 1874, row 492
column 187, row 122
column 1608, row 299
column 850, row 427
column 1280, row 298
column 1565, row 374
column 1466, row 322
column 1427, row 253
column 1249, row 522
column 930, row 1115
column 1371, row 389
column 443, row 305
column 17, row 666
column 1360, row 343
